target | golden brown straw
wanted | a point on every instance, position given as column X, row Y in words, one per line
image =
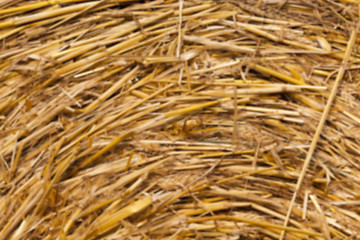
column 129, row 119
column 321, row 123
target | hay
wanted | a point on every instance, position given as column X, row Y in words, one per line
column 179, row 119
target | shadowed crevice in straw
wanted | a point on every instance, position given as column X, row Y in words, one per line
column 179, row 119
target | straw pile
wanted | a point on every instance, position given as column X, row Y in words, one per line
column 227, row 119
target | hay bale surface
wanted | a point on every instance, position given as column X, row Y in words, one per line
column 179, row 119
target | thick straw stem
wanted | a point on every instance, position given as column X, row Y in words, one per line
column 321, row 125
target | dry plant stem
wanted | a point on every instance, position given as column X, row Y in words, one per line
column 218, row 45
column 321, row 124
column 44, row 15
column 32, row 6
column 96, row 4
column 178, row 49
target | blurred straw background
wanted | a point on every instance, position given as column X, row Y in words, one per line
column 126, row 119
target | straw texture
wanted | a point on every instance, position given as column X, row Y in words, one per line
column 179, row 119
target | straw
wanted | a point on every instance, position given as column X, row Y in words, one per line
column 179, row 119
column 322, row 121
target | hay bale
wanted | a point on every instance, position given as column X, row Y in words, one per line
column 179, row 119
